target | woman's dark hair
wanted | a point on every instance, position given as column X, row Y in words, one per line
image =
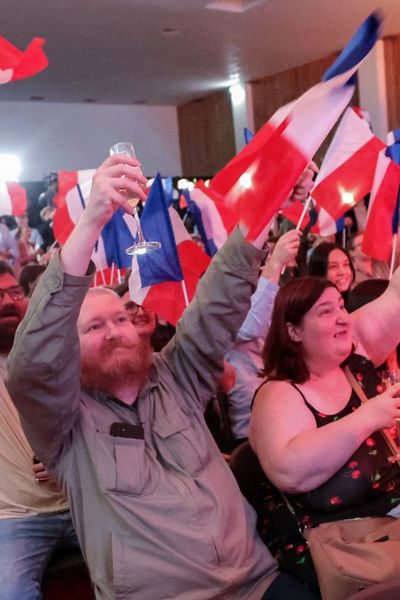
column 29, row 274
column 319, row 259
column 283, row 357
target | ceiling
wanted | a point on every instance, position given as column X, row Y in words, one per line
column 168, row 52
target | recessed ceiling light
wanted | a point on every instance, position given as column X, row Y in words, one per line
column 235, row 6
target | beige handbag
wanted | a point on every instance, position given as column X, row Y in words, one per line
column 353, row 554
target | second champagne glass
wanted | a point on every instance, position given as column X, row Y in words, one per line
column 141, row 246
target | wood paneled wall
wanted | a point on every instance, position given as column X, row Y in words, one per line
column 206, row 134
column 276, row 90
column 391, row 46
column 206, row 126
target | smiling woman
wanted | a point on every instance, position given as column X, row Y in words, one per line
column 334, row 263
column 314, row 439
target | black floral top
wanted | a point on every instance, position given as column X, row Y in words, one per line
column 366, row 485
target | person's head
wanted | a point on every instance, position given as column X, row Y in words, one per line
column 13, row 305
column 334, row 263
column 29, row 276
column 361, row 261
column 309, row 323
column 144, row 320
column 113, row 354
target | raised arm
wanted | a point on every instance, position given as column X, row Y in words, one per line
column 258, row 319
column 44, row 366
column 376, row 324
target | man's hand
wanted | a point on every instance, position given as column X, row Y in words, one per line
column 283, row 255
column 114, row 181
column 303, row 186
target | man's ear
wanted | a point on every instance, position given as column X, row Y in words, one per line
column 293, row 332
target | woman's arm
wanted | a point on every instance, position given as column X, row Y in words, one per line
column 376, row 324
column 295, row 454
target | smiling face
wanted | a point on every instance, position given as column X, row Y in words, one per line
column 113, row 354
column 339, row 271
column 144, row 320
column 325, row 331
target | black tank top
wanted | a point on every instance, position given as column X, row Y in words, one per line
column 367, row 484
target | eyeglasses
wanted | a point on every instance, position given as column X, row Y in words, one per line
column 132, row 307
column 16, row 292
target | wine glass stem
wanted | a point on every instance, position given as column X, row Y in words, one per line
column 139, row 229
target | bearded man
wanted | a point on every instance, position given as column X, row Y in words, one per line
column 34, row 515
column 157, row 510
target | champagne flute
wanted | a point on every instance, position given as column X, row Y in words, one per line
column 141, row 246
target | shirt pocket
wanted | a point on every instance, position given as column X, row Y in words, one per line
column 182, row 441
column 124, row 465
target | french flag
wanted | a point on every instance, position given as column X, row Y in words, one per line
column 118, row 233
column 256, row 182
column 347, row 172
column 13, row 198
column 325, row 225
column 383, row 210
column 165, row 280
column 15, row 64
column 295, row 214
column 208, row 218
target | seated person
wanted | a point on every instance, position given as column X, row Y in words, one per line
column 333, row 262
column 245, row 356
column 315, row 440
column 34, row 515
column 147, row 323
column 365, row 267
column 156, row 509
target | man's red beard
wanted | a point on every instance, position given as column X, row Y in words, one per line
column 116, row 365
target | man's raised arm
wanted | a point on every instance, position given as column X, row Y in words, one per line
column 44, row 366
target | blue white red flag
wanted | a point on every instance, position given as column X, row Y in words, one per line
column 255, row 183
column 294, row 213
column 207, row 218
column 383, row 210
column 117, row 235
column 325, row 225
column 157, row 278
column 13, row 198
column 15, row 64
column 347, row 172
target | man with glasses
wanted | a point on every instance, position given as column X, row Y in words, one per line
column 34, row 516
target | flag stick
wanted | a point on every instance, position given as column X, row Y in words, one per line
column 185, row 294
column 303, row 214
column 119, row 278
column 394, row 246
column 344, row 237
column 112, row 273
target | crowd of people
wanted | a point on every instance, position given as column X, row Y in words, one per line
column 102, row 420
